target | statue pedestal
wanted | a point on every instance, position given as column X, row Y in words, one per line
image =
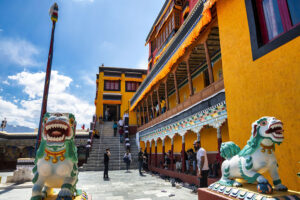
column 83, row 196
column 248, row 192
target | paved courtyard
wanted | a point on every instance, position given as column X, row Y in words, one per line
column 122, row 186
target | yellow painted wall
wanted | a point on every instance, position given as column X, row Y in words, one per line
column 159, row 146
column 224, row 132
column 190, row 137
column 167, row 144
column 198, row 82
column 153, row 147
column 208, row 138
column 268, row 86
column 142, row 145
column 126, row 96
column 148, row 147
column 217, row 69
column 177, row 143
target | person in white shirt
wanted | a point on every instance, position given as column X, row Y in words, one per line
column 202, row 164
column 121, row 123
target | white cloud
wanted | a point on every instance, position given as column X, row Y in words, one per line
column 5, row 82
column 34, row 82
column 18, row 51
column 59, row 100
column 88, row 80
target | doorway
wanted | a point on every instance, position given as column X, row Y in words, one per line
column 113, row 111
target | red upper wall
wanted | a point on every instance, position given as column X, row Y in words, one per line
column 192, row 3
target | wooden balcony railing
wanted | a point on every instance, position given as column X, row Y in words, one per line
column 203, row 94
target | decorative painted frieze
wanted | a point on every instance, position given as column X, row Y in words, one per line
column 213, row 116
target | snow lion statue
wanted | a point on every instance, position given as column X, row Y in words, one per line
column 255, row 158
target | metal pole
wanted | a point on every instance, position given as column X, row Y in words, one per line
column 48, row 74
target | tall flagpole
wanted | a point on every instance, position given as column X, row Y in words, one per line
column 54, row 15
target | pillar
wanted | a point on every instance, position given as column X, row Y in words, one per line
column 137, row 117
column 219, row 136
column 166, row 95
column 182, row 155
column 172, row 157
column 153, row 113
column 189, row 76
column 142, row 122
column 144, row 116
column 150, row 155
column 155, row 156
column 158, row 100
column 163, row 152
column 147, row 106
column 176, row 88
column 210, row 72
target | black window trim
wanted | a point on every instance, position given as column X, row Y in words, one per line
column 259, row 49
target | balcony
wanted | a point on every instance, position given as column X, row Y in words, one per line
column 203, row 94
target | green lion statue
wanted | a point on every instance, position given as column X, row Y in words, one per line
column 56, row 159
column 255, row 158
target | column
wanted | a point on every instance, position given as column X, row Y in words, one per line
column 172, row 158
column 158, row 100
column 153, row 113
column 166, row 95
column 144, row 116
column 198, row 136
column 210, row 72
column 189, row 76
column 182, row 155
column 147, row 106
column 163, row 152
column 137, row 117
column 150, row 155
column 155, row 157
column 219, row 136
column 142, row 122
column 176, row 88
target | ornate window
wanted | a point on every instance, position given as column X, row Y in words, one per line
column 111, row 85
column 272, row 23
column 132, row 86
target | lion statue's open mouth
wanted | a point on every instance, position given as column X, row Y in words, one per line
column 57, row 131
column 276, row 130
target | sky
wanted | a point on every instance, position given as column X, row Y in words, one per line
column 88, row 33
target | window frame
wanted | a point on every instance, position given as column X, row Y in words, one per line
column 258, row 47
column 105, row 81
column 137, row 85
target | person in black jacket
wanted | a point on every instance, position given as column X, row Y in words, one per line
column 106, row 161
column 140, row 159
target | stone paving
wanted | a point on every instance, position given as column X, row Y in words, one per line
column 122, row 186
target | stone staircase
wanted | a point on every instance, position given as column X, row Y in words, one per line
column 117, row 150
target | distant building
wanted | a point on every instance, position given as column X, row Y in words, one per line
column 115, row 88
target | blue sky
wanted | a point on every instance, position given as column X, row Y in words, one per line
column 88, row 33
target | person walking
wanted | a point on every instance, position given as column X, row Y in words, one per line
column 127, row 160
column 127, row 143
column 106, row 114
column 87, row 149
column 106, row 161
column 121, row 123
column 140, row 160
column 202, row 164
column 121, row 131
column 115, row 127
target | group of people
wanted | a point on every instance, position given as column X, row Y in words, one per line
column 197, row 160
column 127, row 158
